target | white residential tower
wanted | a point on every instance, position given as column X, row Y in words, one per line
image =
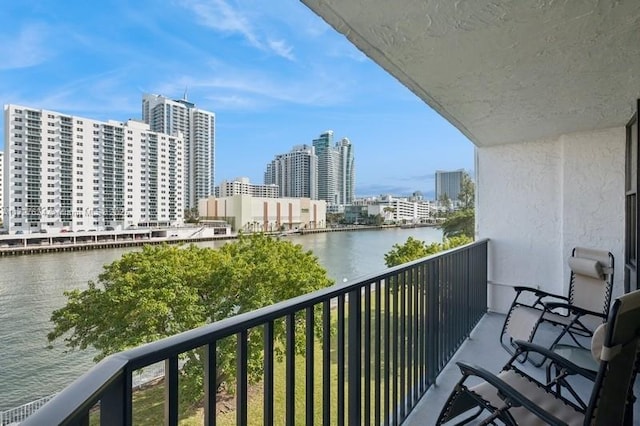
column 296, row 173
column 64, row 171
column 180, row 116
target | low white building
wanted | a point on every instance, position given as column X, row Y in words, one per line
column 399, row 209
column 261, row 214
column 242, row 185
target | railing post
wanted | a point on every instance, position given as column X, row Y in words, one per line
column 241, row 377
column 354, row 348
column 115, row 404
column 171, row 390
column 210, row 384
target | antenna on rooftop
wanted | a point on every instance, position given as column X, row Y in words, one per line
column 184, row 97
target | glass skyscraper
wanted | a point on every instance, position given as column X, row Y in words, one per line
column 449, row 184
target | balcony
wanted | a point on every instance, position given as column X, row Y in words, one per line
column 544, row 92
column 397, row 329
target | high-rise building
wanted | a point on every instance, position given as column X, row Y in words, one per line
column 327, row 168
column 336, row 169
column 75, row 172
column 346, row 172
column 296, row 173
column 198, row 127
column 449, row 184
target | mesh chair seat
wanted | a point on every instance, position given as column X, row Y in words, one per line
column 517, row 399
column 536, row 394
column 587, row 303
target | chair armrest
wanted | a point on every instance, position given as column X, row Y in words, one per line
column 508, row 393
column 538, row 292
column 522, row 346
column 576, row 310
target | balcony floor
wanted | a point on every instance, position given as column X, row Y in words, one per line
column 483, row 349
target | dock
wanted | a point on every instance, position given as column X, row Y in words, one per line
column 15, row 245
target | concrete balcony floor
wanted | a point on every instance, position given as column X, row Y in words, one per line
column 483, row 349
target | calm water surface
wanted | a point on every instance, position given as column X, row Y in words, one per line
column 31, row 287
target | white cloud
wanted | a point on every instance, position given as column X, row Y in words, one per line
column 281, row 48
column 221, row 16
column 26, row 49
column 242, row 89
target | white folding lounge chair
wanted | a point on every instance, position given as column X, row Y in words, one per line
column 577, row 314
column 515, row 398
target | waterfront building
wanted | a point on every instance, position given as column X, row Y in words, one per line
column 347, row 171
column 355, row 214
column 448, row 184
column 261, row 214
column 327, row 167
column 394, row 209
column 242, row 185
column 64, row 171
column 336, row 169
column 180, row 116
column 295, row 173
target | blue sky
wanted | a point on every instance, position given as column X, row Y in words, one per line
column 274, row 73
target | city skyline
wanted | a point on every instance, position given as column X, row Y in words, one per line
column 274, row 74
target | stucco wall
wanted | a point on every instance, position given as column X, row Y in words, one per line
column 538, row 200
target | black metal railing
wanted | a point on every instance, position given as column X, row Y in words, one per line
column 381, row 340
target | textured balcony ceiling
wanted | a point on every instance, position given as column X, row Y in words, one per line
column 504, row 71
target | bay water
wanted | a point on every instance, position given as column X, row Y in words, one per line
column 32, row 286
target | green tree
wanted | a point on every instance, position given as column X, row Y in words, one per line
column 466, row 196
column 413, row 249
column 445, row 203
column 459, row 223
column 164, row 290
column 191, row 215
column 462, row 221
column 377, row 220
column 335, row 218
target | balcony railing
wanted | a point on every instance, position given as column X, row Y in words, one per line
column 386, row 337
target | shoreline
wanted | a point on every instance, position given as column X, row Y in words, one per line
column 83, row 245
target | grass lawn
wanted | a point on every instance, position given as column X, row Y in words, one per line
column 148, row 404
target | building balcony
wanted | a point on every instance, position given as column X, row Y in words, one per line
column 554, row 170
column 384, row 340
column 403, row 330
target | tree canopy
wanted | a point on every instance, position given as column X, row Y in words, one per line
column 466, row 196
column 413, row 249
column 164, row 290
column 461, row 222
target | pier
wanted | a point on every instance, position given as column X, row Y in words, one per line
column 15, row 245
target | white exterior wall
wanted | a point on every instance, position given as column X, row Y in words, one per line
column 243, row 186
column 149, row 197
column 536, row 201
column 412, row 211
column 295, row 173
column 259, row 214
column 197, row 126
column 87, row 174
